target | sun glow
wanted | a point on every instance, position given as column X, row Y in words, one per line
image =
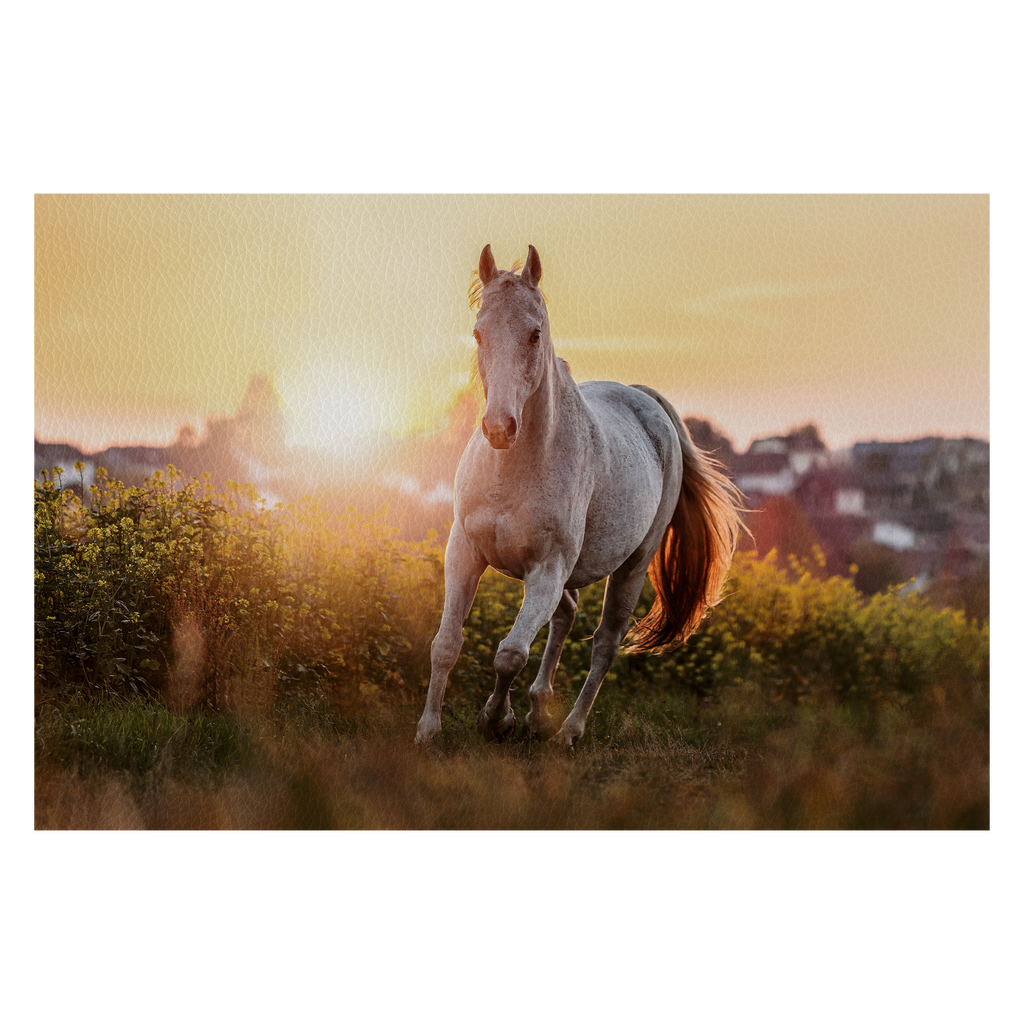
column 334, row 408
column 344, row 409
column 865, row 313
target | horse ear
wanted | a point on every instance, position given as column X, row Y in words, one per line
column 532, row 271
column 488, row 269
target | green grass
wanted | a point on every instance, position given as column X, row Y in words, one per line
column 137, row 737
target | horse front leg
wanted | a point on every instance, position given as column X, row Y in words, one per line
column 539, row 721
column 542, row 593
column 463, row 567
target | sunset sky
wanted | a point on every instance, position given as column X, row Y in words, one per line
column 866, row 314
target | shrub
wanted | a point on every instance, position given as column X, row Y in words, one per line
column 218, row 599
column 789, row 631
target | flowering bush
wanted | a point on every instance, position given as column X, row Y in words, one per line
column 218, row 600
column 788, row 630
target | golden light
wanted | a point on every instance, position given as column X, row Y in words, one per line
column 334, row 408
column 868, row 314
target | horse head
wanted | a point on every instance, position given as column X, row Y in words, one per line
column 513, row 344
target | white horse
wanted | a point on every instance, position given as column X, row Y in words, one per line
column 562, row 486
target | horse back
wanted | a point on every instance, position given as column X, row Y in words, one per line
column 637, row 486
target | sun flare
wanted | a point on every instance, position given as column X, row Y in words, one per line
column 345, row 410
column 333, row 408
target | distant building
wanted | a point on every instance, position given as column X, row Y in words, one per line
column 51, row 455
column 894, row 535
column 764, row 473
column 830, row 489
column 925, row 473
column 774, row 465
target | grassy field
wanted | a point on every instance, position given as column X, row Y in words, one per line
column 204, row 661
column 649, row 763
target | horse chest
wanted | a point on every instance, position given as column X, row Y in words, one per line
column 519, row 510
column 515, row 537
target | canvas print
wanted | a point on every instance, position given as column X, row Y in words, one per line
column 512, row 511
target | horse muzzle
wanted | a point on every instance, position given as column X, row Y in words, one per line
column 501, row 431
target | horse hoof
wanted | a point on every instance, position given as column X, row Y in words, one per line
column 497, row 732
column 540, row 726
column 428, row 735
column 563, row 739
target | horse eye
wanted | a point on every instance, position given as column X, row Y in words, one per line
column 535, row 337
column 476, row 337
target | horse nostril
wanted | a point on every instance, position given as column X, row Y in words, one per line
column 499, row 433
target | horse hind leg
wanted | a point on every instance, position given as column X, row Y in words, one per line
column 621, row 594
column 539, row 721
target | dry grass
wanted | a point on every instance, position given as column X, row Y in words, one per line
column 731, row 766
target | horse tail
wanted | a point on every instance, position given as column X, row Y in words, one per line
column 695, row 554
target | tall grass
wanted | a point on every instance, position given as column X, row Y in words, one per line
column 668, row 764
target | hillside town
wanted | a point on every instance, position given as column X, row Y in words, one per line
column 915, row 509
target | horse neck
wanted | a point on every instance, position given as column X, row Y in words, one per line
column 548, row 409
